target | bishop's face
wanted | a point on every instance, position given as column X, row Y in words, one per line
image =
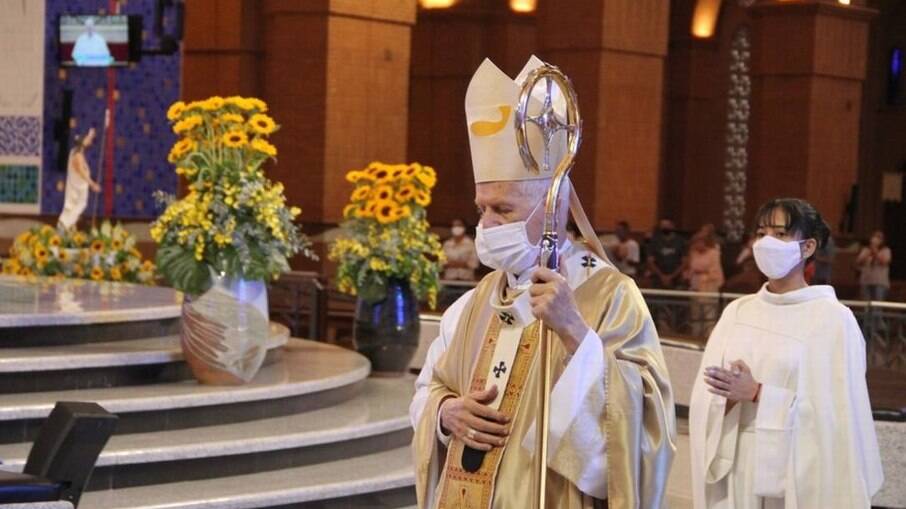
column 507, row 202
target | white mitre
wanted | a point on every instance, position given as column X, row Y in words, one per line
column 491, row 102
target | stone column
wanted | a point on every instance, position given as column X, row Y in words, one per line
column 220, row 49
column 614, row 51
column 339, row 69
column 809, row 64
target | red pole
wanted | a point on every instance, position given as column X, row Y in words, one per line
column 113, row 6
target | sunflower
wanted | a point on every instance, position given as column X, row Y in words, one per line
column 412, row 170
column 262, row 124
column 235, row 139
column 55, row 241
column 385, row 211
column 78, row 271
column 264, row 147
column 63, row 256
column 187, row 124
column 240, row 102
column 97, row 246
column 402, row 212
column 176, row 110
column 116, row 274
column 147, row 266
column 383, row 193
column 181, row 148
column 397, row 171
column 213, row 103
column 97, row 273
column 349, row 211
column 427, row 176
column 354, row 176
column 231, row 118
column 367, row 211
column 41, row 254
column 78, row 239
column 381, row 174
column 257, row 104
column 360, row 193
column 116, row 244
column 406, row 193
column 423, row 198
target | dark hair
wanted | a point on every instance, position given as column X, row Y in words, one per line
column 78, row 142
column 624, row 225
column 801, row 218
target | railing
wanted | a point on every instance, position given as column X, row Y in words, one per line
column 299, row 300
column 311, row 309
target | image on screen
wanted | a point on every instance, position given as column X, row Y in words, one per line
column 94, row 41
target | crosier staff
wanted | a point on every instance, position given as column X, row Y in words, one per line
column 550, row 124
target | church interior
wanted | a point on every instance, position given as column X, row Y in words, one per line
column 231, row 230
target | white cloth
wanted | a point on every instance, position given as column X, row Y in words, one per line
column 91, row 50
column 76, row 198
column 810, row 440
column 586, row 371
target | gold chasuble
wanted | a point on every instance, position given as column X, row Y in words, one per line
column 637, row 417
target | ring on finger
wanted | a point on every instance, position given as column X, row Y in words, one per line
column 470, row 433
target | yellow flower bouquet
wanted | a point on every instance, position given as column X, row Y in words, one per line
column 233, row 220
column 387, row 235
column 107, row 253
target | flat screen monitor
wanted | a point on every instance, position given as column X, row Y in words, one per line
column 98, row 41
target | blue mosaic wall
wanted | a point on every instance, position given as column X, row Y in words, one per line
column 143, row 136
column 18, row 183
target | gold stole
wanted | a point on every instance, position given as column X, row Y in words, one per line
column 475, row 490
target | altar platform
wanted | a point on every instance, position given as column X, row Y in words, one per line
column 311, row 430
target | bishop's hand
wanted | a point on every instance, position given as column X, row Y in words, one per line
column 553, row 302
column 473, row 422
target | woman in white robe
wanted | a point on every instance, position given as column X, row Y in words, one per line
column 780, row 415
column 78, row 182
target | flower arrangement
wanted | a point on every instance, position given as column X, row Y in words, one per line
column 233, row 220
column 107, row 253
column 387, row 233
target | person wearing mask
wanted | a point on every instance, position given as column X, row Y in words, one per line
column 462, row 259
column 873, row 263
column 665, row 260
column 705, row 274
column 475, row 410
column 625, row 250
column 780, row 415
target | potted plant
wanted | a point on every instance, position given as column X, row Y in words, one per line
column 388, row 259
column 230, row 233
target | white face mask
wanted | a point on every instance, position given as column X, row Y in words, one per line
column 458, row 231
column 506, row 247
column 776, row 258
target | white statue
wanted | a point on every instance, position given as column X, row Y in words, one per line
column 78, row 182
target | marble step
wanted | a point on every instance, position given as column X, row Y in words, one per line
column 100, row 365
column 309, row 375
column 377, row 419
column 36, row 311
column 367, row 476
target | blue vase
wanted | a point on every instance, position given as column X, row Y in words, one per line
column 386, row 331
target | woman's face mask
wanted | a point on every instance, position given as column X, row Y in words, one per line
column 776, row 258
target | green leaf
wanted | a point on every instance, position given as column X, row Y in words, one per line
column 182, row 270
